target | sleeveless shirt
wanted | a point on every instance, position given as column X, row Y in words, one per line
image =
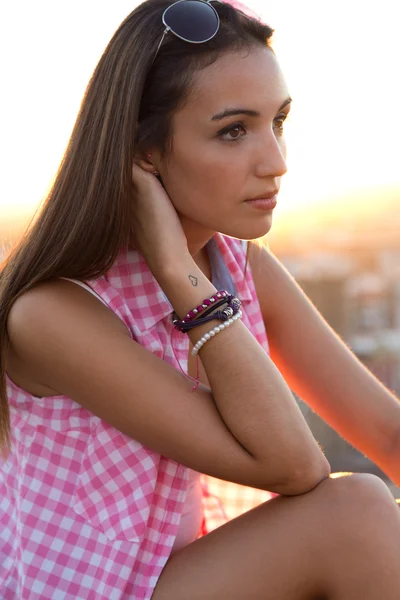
column 85, row 511
column 190, row 525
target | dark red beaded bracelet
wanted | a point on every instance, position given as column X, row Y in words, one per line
column 228, row 312
column 213, row 307
column 193, row 314
column 179, row 324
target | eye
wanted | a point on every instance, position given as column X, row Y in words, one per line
column 279, row 121
column 233, row 132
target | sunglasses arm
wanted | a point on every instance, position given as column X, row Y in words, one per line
column 161, row 41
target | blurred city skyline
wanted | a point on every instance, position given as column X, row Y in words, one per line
column 340, row 61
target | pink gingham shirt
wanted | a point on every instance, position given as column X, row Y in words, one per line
column 85, row 511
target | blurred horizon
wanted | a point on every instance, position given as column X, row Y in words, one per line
column 339, row 60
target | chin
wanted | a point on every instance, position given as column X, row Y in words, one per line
column 248, row 231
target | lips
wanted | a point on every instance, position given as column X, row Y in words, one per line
column 264, row 195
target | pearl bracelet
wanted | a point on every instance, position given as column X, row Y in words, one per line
column 213, row 332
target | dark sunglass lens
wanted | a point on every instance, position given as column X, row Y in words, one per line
column 192, row 20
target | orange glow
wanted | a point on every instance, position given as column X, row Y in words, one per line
column 342, row 136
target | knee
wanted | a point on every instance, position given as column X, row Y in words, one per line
column 359, row 493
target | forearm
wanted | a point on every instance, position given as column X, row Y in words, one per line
column 251, row 395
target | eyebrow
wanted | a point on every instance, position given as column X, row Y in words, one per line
column 230, row 112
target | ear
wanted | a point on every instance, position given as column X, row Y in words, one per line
column 146, row 162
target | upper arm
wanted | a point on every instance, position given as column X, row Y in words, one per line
column 302, row 343
column 80, row 348
column 318, row 365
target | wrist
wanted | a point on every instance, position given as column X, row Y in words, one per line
column 185, row 285
column 171, row 267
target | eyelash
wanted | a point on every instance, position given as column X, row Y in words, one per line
column 234, row 126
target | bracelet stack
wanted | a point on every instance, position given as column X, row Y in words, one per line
column 208, row 310
column 216, row 299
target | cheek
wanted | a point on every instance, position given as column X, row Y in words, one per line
column 202, row 176
column 217, row 168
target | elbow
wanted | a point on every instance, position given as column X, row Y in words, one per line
column 304, row 479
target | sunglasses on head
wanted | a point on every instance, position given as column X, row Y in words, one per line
column 193, row 21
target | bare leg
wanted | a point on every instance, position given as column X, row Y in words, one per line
column 341, row 541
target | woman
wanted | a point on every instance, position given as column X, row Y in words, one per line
column 138, row 254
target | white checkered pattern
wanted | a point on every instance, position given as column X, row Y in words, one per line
column 86, row 512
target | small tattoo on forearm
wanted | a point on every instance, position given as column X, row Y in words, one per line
column 193, row 280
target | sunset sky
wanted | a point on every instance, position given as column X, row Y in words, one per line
column 341, row 61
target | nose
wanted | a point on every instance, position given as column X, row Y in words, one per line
column 271, row 159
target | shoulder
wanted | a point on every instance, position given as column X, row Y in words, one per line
column 46, row 320
column 52, row 302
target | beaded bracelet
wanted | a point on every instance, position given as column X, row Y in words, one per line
column 222, row 315
column 213, row 332
column 207, row 302
column 181, row 324
column 213, row 307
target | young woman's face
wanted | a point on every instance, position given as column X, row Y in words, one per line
column 220, row 160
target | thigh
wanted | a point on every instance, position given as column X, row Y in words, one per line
column 289, row 548
column 268, row 552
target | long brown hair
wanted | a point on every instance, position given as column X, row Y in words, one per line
column 127, row 108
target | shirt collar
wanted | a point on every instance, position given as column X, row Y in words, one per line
column 146, row 299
